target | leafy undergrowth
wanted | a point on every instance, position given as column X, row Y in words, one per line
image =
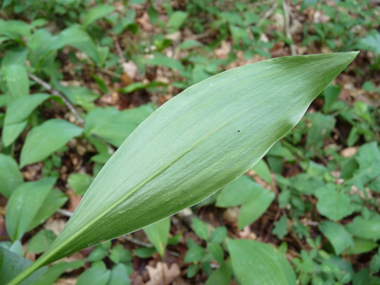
column 96, row 71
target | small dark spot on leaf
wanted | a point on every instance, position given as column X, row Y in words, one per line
column 238, row 131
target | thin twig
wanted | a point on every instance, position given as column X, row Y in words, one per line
column 54, row 92
column 65, row 213
column 119, row 50
column 109, row 72
column 267, row 13
column 286, row 9
column 136, row 241
column 125, row 237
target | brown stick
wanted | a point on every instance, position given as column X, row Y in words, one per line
column 54, row 92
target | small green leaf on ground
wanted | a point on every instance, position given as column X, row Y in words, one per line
column 338, row 236
column 10, row 175
column 96, row 13
column 158, row 234
column 363, row 228
column 41, row 241
column 177, row 19
column 281, row 227
column 261, row 168
column 259, row 263
column 218, row 235
column 79, row 182
column 47, row 138
column 221, row 276
column 195, row 252
column 24, row 204
column 200, row 228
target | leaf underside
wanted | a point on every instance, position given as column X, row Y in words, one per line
column 195, row 144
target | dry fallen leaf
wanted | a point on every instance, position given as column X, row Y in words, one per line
column 145, row 22
column 66, row 281
column 224, row 50
column 55, row 225
column 348, row 152
column 131, row 69
column 74, row 257
column 246, row 233
column 126, row 79
column 231, row 215
column 74, row 201
column 157, row 274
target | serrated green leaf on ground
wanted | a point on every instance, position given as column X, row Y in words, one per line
column 281, row 227
column 368, row 160
column 332, row 203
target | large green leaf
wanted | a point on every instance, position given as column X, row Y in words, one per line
column 24, row 204
column 195, row 144
column 47, row 138
column 259, row 263
column 10, row 175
